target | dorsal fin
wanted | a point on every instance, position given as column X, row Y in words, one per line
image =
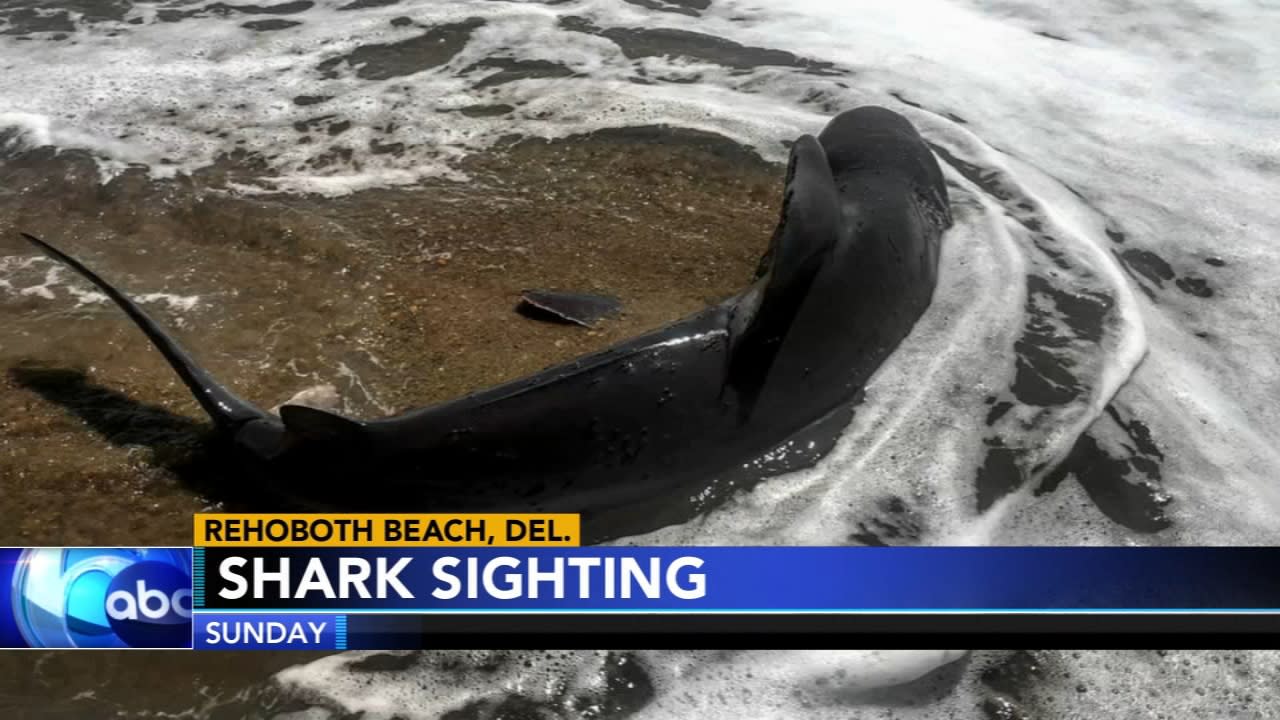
column 315, row 424
column 804, row 239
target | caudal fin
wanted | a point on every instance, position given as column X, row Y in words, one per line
column 224, row 406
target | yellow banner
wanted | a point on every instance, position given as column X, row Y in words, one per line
column 386, row 530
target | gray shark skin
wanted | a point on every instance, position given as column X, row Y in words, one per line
column 658, row 428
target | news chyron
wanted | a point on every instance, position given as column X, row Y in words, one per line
column 111, row 598
column 95, row 598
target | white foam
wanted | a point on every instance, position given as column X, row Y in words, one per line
column 175, row 303
column 767, row 685
column 18, row 275
column 29, row 130
column 1118, row 684
column 1161, row 118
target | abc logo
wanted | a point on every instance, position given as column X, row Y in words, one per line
column 149, row 605
column 103, row 597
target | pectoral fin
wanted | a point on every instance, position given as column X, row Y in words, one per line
column 805, row 237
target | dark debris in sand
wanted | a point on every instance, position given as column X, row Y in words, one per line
column 692, row 8
column 270, row 25
column 510, row 70
column 362, row 4
column 672, row 42
column 433, row 48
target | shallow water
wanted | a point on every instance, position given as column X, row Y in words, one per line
column 326, row 192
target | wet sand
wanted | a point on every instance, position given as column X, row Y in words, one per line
column 399, row 297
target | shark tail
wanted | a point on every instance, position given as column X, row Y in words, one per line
column 226, row 408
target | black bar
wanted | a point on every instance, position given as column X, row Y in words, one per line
column 814, row 631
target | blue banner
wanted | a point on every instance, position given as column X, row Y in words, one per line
column 270, row 631
column 339, row 598
column 754, row 579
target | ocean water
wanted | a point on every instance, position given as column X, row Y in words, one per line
column 1100, row 365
